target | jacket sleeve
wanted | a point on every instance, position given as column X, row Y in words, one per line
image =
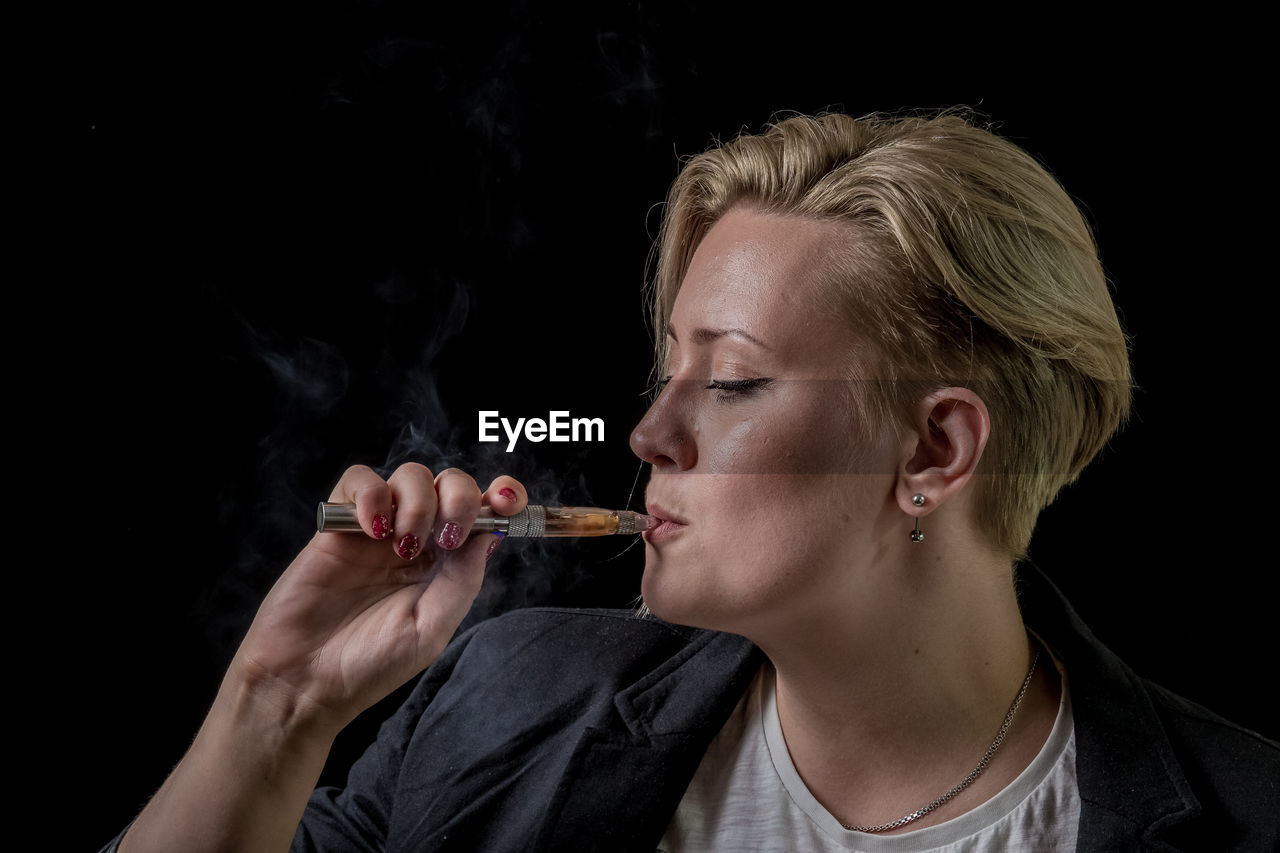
column 355, row 818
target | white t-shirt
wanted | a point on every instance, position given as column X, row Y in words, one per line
column 747, row 796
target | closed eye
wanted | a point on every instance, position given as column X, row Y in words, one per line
column 728, row 390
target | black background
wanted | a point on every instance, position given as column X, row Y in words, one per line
column 284, row 236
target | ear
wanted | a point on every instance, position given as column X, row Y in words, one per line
column 951, row 427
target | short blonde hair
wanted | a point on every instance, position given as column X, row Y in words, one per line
column 967, row 264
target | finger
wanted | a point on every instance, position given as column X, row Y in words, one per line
column 413, row 489
column 457, row 583
column 362, row 486
column 506, row 495
column 459, row 503
column 475, row 554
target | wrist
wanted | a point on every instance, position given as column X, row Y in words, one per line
column 273, row 711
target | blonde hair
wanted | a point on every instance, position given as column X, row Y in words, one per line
column 967, row 264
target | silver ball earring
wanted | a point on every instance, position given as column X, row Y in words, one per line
column 917, row 535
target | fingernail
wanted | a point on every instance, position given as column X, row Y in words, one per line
column 451, row 536
column 493, row 546
column 509, row 494
column 381, row 527
column 408, row 547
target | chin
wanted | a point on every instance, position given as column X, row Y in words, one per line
column 663, row 595
column 683, row 603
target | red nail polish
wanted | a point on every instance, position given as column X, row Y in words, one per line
column 509, row 494
column 493, row 546
column 408, row 547
column 381, row 527
column 451, row 536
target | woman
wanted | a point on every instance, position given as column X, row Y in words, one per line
column 884, row 347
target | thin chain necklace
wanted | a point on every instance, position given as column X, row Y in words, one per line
column 977, row 771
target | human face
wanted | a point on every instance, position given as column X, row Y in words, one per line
column 773, row 505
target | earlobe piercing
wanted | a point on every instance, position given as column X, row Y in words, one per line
column 917, row 535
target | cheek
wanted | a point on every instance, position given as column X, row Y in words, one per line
column 796, row 431
column 802, row 489
column 777, row 479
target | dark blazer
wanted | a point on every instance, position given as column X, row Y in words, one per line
column 549, row 729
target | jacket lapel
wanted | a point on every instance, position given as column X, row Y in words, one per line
column 1132, row 789
column 626, row 777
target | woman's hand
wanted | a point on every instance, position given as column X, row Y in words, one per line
column 351, row 619
column 357, row 615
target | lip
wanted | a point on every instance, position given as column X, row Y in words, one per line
column 667, row 527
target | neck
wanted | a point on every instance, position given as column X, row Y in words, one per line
column 890, row 702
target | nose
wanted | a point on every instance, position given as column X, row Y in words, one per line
column 663, row 438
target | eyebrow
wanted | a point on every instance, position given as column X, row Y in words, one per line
column 702, row 336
